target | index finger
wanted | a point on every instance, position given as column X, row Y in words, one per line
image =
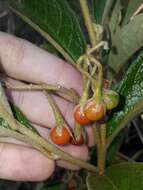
column 22, row 60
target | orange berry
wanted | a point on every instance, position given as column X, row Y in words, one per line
column 94, row 111
column 60, row 135
column 80, row 117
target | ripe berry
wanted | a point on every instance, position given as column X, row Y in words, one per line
column 80, row 141
column 94, row 111
column 80, row 117
column 60, row 135
column 111, row 99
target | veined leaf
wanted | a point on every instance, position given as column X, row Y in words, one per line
column 22, row 119
column 131, row 98
column 126, row 42
column 124, row 176
column 132, row 7
column 56, row 22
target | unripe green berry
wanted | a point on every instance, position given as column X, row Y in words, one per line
column 111, row 99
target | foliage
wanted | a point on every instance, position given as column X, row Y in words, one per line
column 122, row 26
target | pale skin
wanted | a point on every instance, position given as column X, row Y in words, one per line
column 22, row 60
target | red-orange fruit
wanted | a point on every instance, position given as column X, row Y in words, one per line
column 60, row 136
column 79, row 117
column 94, row 111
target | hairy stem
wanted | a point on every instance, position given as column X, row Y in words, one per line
column 15, row 125
column 88, row 21
column 98, row 85
column 69, row 94
column 4, row 132
column 99, row 135
column 103, row 147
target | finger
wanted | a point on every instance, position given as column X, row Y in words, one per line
column 80, row 152
column 24, row 164
column 36, row 108
column 22, row 60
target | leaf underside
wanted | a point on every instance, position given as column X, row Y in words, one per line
column 132, row 7
column 126, row 42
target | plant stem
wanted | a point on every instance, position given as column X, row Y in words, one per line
column 98, row 85
column 103, row 149
column 99, row 135
column 103, row 134
column 15, row 125
column 86, row 86
column 56, row 111
column 4, row 132
column 77, row 131
column 88, row 21
column 62, row 155
column 69, row 94
column 137, row 154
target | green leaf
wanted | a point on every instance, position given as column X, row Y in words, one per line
column 125, row 176
column 55, row 20
column 126, row 42
column 132, row 7
column 97, row 182
column 131, row 98
column 98, row 9
column 22, row 119
column 115, row 17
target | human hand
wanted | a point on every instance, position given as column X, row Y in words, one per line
column 21, row 60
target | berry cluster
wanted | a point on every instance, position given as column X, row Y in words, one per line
column 92, row 111
column 95, row 111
